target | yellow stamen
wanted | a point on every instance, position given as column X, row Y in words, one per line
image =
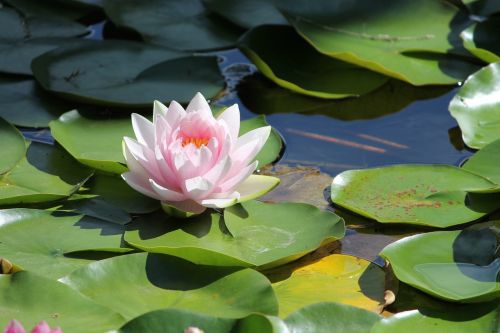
column 198, row 142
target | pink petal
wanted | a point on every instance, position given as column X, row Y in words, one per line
column 42, row 327
column 165, row 193
column 14, row 327
column 146, row 158
column 219, row 171
column 139, row 184
column 175, row 113
column 230, row 184
column 198, row 187
column 261, row 133
column 143, row 129
column 200, row 105
column 231, row 117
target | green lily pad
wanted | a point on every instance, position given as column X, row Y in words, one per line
column 138, row 283
column 252, row 234
column 485, row 162
column 30, row 298
column 389, row 98
column 16, row 57
column 15, row 27
column 135, row 73
column 407, row 40
column 46, row 173
column 289, row 61
column 247, row 13
column 67, row 9
column 432, row 195
column 482, row 8
column 24, row 103
column 39, row 240
column 476, row 107
column 334, row 278
column 451, row 265
column 98, row 143
column 478, row 39
column 176, row 24
column 477, row 319
column 331, row 317
column 13, row 146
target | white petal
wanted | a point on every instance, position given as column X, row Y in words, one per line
column 166, row 194
column 137, row 183
column 261, row 133
column 231, row 116
column 133, row 165
column 256, row 186
column 187, row 206
column 145, row 157
column 144, row 130
column 247, row 152
column 219, row 171
column 198, row 187
column 175, row 113
column 159, row 110
column 219, row 203
column 199, row 104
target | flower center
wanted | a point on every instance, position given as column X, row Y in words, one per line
column 198, row 142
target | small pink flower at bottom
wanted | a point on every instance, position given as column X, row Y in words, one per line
column 43, row 327
column 14, row 327
column 192, row 329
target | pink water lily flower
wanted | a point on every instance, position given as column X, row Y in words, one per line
column 192, row 161
column 15, row 327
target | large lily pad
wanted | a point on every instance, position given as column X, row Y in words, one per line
column 452, row 265
column 98, row 142
column 289, row 61
column 476, row 107
column 477, row 319
column 485, row 162
column 24, row 103
column 407, row 40
column 479, row 39
column 247, row 13
column 176, row 24
column 138, row 283
column 65, row 9
column 12, row 146
column 124, row 73
column 252, row 234
column 334, row 278
column 432, row 195
column 46, row 173
column 31, row 298
column 39, row 241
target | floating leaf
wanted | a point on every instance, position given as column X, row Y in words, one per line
column 67, row 9
column 24, row 103
column 251, row 234
column 477, row 319
column 432, row 195
column 168, row 23
column 30, row 298
column 135, row 73
column 485, row 162
column 452, row 265
column 407, row 40
column 46, row 173
column 331, row 317
column 138, row 283
column 479, row 39
column 334, row 278
column 12, row 146
column 482, row 7
column 286, row 59
column 98, row 142
column 476, row 107
column 39, row 241
column 247, row 13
